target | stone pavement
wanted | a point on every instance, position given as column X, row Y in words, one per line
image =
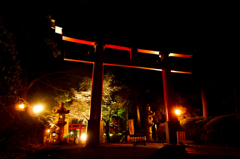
column 128, row 151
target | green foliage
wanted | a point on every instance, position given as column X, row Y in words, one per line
column 109, row 106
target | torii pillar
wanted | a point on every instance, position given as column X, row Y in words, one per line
column 95, row 124
column 172, row 124
column 204, row 103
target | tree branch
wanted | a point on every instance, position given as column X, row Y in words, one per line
column 54, row 87
column 37, row 79
column 52, row 80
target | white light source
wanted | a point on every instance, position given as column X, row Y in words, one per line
column 177, row 112
column 83, row 137
column 37, row 108
column 21, row 106
column 58, row 30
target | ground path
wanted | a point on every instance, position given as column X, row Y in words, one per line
column 128, row 151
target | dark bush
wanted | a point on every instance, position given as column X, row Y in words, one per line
column 223, row 129
column 216, row 130
column 19, row 131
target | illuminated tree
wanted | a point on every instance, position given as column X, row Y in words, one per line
column 80, row 107
column 80, row 101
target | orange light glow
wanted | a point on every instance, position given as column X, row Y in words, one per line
column 78, row 40
column 146, row 68
column 117, row 47
column 180, row 55
column 83, row 137
column 48, row 130
column 37, row 108
column 21, row 106
column 181, row 72
column 73, row 60
column 177, row 112
column 157, row 53
column 52, row 23
column 118, row 65
column 148, row 51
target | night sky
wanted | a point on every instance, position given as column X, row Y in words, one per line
column 206, row 30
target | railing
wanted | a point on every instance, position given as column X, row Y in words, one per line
column 139, row 139
column 181, row 138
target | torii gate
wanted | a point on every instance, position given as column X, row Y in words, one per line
column 95, row 124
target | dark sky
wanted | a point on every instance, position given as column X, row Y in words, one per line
column 208, row 30
column 205, row 29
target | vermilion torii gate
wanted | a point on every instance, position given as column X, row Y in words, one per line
column 95, row 124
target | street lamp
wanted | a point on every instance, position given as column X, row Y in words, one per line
column 177, row 112
column 83, row 137
column 37, row 108
column 21, row 106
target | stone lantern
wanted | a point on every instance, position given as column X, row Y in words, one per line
column 61, row 111
column 149, row 122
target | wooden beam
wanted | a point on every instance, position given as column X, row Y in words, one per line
column 110, row 46
column 85, row 42
column 73, row 60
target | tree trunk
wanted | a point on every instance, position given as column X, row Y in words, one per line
column 204, row 103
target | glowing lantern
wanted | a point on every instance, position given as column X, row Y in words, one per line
column 83, row 137
column 177, row 112
column 37, row 108
column 21, row 106
column 61, row 111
